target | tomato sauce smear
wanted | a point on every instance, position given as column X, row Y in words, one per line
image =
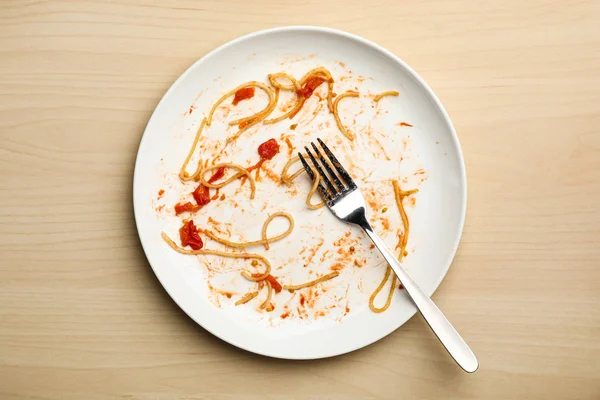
column 217, row 175
column 274, row 284
column 309, row 87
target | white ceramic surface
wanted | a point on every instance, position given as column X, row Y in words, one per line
column 436, row 220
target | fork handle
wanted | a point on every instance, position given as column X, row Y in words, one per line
column 443, row 329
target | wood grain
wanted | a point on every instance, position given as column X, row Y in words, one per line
column 83, row 317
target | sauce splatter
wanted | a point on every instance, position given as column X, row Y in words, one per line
column 290, row 146
column 314, row 251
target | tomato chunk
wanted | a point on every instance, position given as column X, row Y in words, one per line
column 189, row 236
column 268, row 149
column 189, row 207
column 243, row 94
column 201, row 195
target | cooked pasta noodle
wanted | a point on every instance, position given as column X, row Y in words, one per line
column 285, row 177
column 264, row 241
column 259, row 85
column 313, row 189
column 267, row 301
column 183, row 174
column 388, row 93
column 336, row 114
column 247, row 297
column 243, row 171
column 245, row 274
column 249, row 122
column 324, row 278
column 399, row 195
column 276, row 84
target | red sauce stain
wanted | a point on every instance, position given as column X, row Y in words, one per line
column 161, row 192
column 285, row 315
column 290, row 146
column 252, row 168
column 246, row 123
column 337, row 267
column 220, row 173
column 293, row 126
column 266, row 151
column 309, row 87
column 386, row 223
column 314, row 251
column 404, row 124
column 302, row 299
column 324, row 256
column 274, row 284
column 243, row 94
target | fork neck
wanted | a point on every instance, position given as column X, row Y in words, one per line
column 358, row 217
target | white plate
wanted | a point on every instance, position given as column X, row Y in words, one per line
column 436, row 220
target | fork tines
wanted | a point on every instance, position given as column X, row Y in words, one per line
column 334, row 179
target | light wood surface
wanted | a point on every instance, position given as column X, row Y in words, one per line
column 82, row 315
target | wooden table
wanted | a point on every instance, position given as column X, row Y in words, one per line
column 82, row 315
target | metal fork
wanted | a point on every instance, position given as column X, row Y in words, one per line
column 344, row 199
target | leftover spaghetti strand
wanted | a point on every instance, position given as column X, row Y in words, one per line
column 264, row 241
column 324, row 278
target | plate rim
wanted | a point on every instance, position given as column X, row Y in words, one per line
column 353, row 37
